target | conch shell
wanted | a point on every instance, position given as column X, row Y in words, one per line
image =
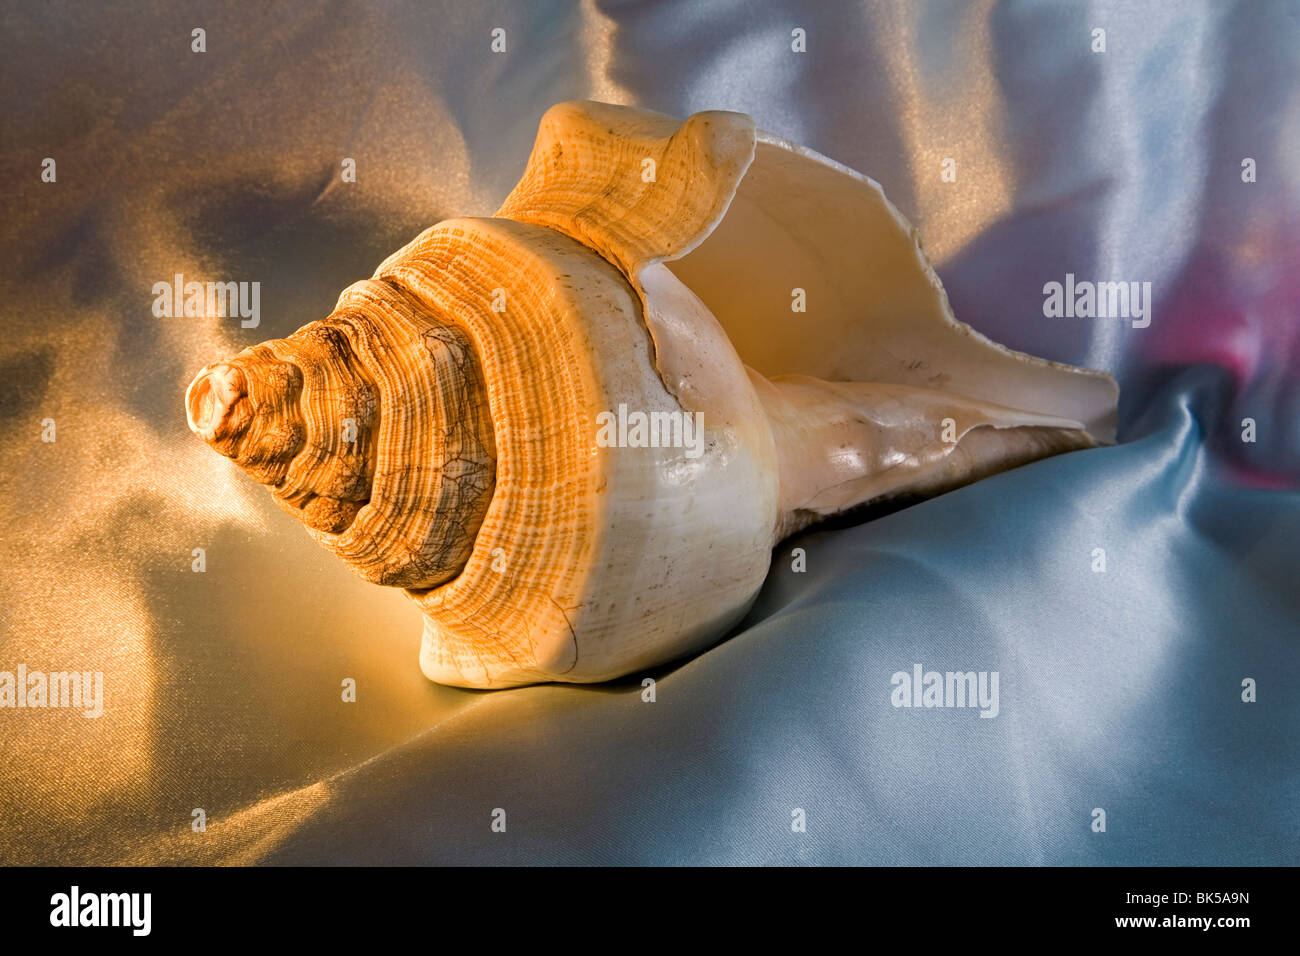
column 447, row 429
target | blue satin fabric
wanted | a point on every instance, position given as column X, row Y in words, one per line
column 1119, row 690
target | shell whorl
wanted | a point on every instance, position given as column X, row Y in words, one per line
column 569, row 516
column 370, row 426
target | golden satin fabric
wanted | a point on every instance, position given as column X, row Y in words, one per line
column 223, row 689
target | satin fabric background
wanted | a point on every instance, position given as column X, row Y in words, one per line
column 1120, row 691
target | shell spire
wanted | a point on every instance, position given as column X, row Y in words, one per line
column 449, row 428
column 371, row 427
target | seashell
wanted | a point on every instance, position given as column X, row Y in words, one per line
column 447, row 429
